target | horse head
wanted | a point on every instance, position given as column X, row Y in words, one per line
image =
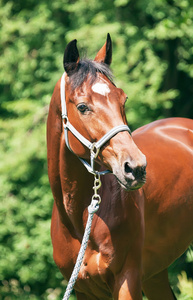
column 95, row 106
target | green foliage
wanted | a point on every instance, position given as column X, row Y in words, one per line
column 186, row 287
column 26, row 263
column 152, row 62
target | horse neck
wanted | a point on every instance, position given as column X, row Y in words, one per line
column 76, row 184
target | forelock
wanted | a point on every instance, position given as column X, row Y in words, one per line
column 88, row 68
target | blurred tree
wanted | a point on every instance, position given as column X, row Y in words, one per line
column 152, row 62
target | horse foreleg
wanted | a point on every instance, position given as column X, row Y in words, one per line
column 158, row 287
column 128, row 286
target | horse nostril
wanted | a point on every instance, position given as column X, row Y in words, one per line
column 128, row 169
column 135, row 172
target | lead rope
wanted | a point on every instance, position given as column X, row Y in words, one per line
column 92, row 208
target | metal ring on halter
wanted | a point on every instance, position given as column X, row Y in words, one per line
column 97, row 184
column 96, row 187
column 94, row 150
column 96, row 197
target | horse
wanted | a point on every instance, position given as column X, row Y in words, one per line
column 143, row 224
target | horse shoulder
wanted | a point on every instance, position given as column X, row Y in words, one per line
column 65, row 246
column 54, row 131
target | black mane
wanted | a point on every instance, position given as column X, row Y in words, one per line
column 88, row 67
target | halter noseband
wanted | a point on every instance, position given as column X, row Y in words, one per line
column 93, row 147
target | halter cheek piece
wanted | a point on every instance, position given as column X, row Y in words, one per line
column 93, row 147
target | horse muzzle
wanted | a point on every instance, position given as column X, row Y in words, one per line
column 132, row 176
column 128, row 164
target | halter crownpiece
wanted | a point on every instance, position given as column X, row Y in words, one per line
column 93, row 147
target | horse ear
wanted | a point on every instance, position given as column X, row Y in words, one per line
column 71, row 57
column 105, row 53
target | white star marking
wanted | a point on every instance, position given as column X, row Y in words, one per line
column 101, row 88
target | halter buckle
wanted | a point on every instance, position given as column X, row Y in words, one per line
column 65, row 121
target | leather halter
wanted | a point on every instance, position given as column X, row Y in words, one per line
column 93, row 147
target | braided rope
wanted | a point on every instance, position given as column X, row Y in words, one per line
column 93, row 207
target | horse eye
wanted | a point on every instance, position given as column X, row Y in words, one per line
column 82, row 107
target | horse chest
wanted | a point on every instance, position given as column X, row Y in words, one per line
column 95, row 275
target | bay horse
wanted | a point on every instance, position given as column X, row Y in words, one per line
column 118, row 262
